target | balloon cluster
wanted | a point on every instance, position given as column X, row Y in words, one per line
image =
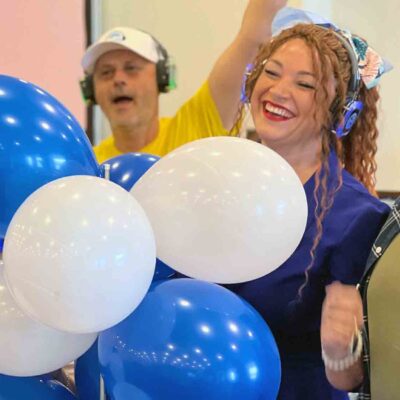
column 80, row 259
column 220, row 209
column 78, row 250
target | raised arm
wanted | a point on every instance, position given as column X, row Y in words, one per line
column 341, row 318
column 225, row 79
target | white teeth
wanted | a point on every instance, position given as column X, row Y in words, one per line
column 277, row 110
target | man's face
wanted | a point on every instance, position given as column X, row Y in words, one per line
column 126, row 89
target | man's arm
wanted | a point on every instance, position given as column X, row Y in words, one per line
column 225, row 79
column 341, row 317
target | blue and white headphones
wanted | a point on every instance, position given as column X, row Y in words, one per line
column 353, row 106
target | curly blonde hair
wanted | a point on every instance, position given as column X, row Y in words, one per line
column 357, row 150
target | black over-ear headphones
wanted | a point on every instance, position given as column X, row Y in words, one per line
column 87, row 89
column 165, row 69
column 165, row 75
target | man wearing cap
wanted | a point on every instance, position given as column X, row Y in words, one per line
column 127, row 69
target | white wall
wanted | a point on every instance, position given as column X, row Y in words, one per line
column 196, row 31
column 321, row 7
column 378, row 23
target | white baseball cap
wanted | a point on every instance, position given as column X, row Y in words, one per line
column 121, row 38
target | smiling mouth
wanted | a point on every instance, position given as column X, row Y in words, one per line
column 276, row 113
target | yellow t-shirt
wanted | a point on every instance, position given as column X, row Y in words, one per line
column 197, row 118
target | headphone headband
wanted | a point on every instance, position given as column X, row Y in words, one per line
column 353, row 107
column 355, row 79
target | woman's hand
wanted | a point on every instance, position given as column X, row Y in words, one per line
column 341, row 318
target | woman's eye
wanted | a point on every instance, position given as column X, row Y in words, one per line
column 306, row 85
column 271, row 72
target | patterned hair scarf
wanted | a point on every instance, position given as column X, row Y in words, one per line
column 371, row 65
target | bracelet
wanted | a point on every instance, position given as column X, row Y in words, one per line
column 346, row 362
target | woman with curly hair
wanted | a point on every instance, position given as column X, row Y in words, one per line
column 315, row 103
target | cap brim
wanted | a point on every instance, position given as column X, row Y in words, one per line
column 95, row 51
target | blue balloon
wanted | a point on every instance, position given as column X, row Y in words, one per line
column 32, row 388
column 190, row 339
column 40, row 141
column 59, row 391
column 87, row 375
column 87, row 368
column 162, row 271
column 126, row 169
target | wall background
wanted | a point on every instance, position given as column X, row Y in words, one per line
column 196, row 31
column 42, row 42
column 378, row 22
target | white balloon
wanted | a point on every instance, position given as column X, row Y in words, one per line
column 28, row 348
column 223, row 209
column 79, row 254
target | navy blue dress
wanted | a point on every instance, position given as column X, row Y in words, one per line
column 350, row 228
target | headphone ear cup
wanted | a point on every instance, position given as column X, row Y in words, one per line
column 348, row 118
column 243, row 96
column 165, row 69
column 166, row 75
column 87, row 89
column 163, row 76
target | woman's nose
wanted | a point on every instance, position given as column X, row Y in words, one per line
column 280, row 89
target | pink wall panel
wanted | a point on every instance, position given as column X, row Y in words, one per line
column 42, row 41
